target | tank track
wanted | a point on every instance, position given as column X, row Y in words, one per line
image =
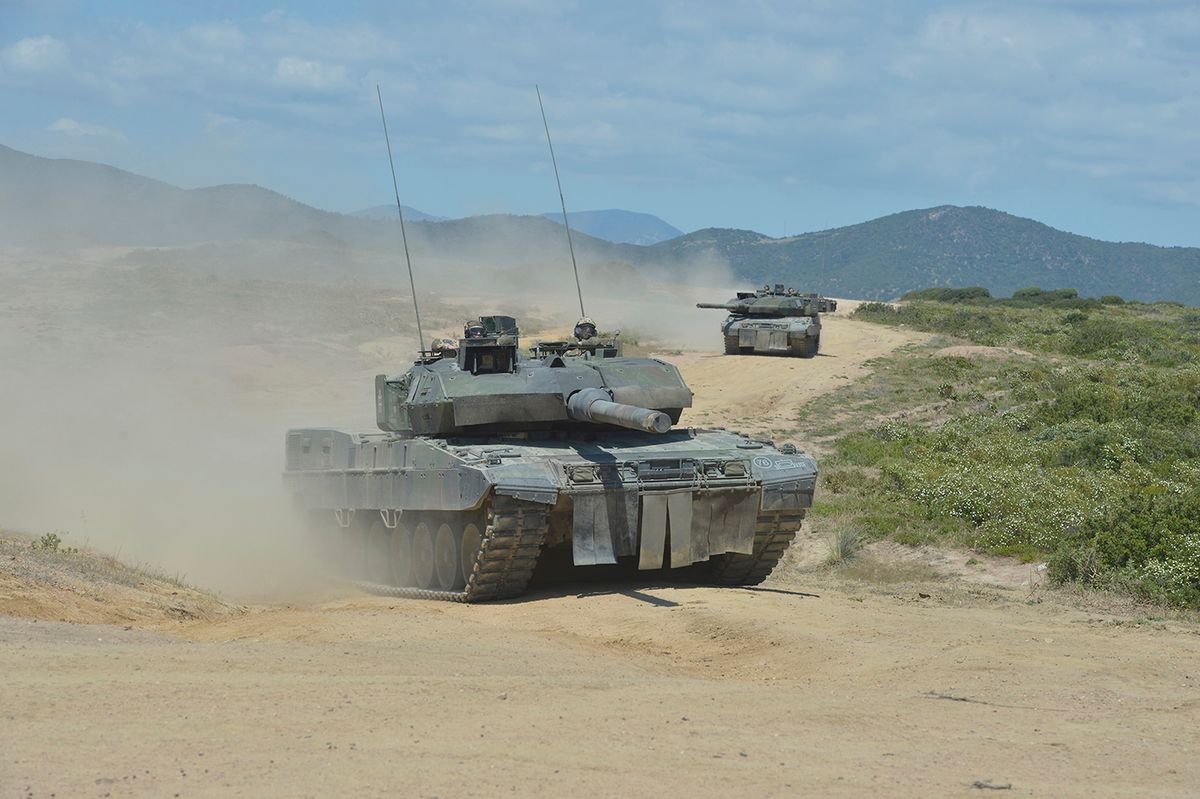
column 773, row 533
column 505, row 560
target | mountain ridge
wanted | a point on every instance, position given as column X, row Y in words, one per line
column 388, row 211
column 65, row 202
column 951, row 246
column 619, row 226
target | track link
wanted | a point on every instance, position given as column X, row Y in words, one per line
column 505, row 560
column 773, row 533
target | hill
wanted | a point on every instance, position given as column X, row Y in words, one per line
column 64, row 203
column 46, row 202
column 949, row 246
column 387, row 211
column 620, row 227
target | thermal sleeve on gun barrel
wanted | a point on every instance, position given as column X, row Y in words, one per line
column 594, row 405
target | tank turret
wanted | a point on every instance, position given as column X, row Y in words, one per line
column 774, row 305
column 779, row 321
column 487, row 385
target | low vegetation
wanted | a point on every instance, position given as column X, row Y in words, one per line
column 47, row 559
column 1077, row 442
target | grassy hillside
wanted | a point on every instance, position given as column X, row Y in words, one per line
column 1071, row 435
column 949, row 246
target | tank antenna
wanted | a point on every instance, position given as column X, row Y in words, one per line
column 566, row 224
column 400, row 211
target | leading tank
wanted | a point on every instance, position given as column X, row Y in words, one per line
column 492, row 464
column 773, row 321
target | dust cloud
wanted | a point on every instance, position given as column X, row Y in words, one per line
column 147, row 391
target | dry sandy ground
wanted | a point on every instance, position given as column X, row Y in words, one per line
column 812, row 685
column 675, row 691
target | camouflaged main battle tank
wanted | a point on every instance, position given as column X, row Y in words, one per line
column 493, row 463
column 774, row 321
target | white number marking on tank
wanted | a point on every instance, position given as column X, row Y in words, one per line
column 764, row 462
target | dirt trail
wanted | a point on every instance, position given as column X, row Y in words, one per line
column 761, row 394
column 807, row 686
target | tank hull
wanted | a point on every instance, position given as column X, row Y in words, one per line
column 471, row 519
column 796, row 336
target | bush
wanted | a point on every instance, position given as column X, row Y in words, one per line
column 844, row 545
column 1091, row 459
column 1074, row 564
column 950, row 294
column 1146, row 524
column 50, row 542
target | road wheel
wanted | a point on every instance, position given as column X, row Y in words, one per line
column 445, row 551
column 422, row 557
column 401, row 555
column 468, row 550
column 377, row 568
column 357, row 540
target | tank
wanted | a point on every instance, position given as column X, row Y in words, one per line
column 492, row 466
column 773, row 321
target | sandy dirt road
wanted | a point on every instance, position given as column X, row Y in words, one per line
column 808, row 686
column 760, row 394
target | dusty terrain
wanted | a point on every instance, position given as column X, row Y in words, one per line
column 901, row 679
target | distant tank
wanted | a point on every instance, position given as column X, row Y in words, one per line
column 773, row 321
column 493, row 464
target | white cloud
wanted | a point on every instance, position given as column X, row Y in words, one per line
column 35, row 54
column 218, row 36
column 944, row 98
column 75, row 129
column 305, row 74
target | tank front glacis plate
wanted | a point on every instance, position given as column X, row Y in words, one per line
column 783, row 335
column 793, row 324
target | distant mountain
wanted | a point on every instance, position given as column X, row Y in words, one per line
column 62, row 202
column 388, row 212
column 621, row 227
column 948, row 246
column 257, row 232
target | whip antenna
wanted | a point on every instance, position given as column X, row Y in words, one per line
column 566, row 224
column 400, row 211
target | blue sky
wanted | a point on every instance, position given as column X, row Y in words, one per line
column 779, row 117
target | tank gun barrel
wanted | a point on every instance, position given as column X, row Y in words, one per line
column 594, row 405
column 724, row 306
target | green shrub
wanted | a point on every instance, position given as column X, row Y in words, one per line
column 1091, row 459
column 49, row 542
column 1074, row 564
column 844, row 545
column 950, row 294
